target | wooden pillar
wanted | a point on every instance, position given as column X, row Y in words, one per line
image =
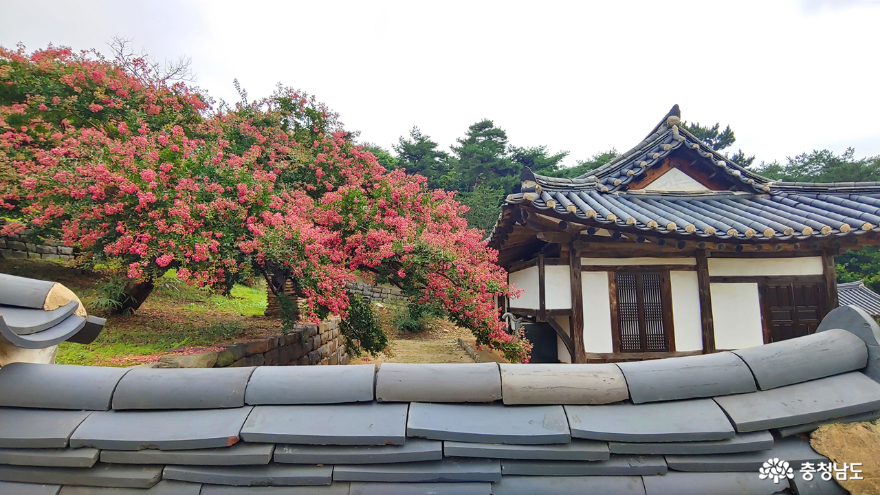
column 576, row 320
column 829, row 271
column 706, row 319
column 542, row 291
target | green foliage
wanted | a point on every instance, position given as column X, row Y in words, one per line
column 383, row 156
column 585, row 166
column 416, row 317
column 485, row 204
column 538, row 159
column 419, row 155
column 289, row 310
column 361, row 329
column 481, row 158
column 860, row 265
column 718, row 140
column 111, row 296
column 824, row 166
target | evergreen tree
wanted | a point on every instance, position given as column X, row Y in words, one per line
column 585, row 166
column 824, row 166
column 419, row 155
column 538, row 159
column 718, row 140
column 385, row 158
column 481, row 158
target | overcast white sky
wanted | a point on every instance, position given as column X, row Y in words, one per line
column 788, row 76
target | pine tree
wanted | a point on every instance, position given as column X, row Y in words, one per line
column 419, row 155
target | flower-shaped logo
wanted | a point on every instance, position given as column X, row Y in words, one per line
column 776, row 469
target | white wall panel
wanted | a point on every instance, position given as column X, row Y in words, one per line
column 557, row 293
column 686, row 321
column 528, row 281
column 732, row 267
column 736, row 311
column 597, row 312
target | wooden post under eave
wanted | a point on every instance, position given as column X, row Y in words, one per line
column 829, row 271
column 576, row 320
column 706, row 319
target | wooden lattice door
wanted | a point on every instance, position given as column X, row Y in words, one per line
column 791, row 309
column 643, row 312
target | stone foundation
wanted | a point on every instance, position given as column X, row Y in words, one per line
column 307, row 344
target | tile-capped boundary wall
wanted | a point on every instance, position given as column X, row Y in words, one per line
column 306, row 344
column 16, row 247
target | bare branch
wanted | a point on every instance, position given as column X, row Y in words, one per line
column 146, row 68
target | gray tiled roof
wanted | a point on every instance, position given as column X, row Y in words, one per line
column 857, row 294
column 669, row 444
column 755, row 208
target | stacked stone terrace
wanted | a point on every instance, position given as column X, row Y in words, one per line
column 693, row 425
column 16, row 247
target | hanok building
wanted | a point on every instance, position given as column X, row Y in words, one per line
column 671, row 249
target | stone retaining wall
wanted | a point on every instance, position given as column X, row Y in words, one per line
column 307, row 344
column 374, row 293
column 15, row 247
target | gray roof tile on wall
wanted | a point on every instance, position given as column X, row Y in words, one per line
column 38, row 428
column 361, row 488
column 349, row 424
column 569, row 485
column 447, row 470
column 331, row 489
column 794, row 450
column 106, row 475
column 817, row 400
column 164, row 430
column 160, row 488
column 181, row 388
column 687, row 377
column 743, row 442
column 270, row 475
column 240, row 454
column 617, row 465
column 64, row 330
column 860, row 323
column 52, row 386
column 415, row 449
column 293, row 385
column 857, row 294
column 691, row 420
column 23, row 292
column 804, row 428
column 80, row 458
column 577, row 450
column 807, row 358
column 562, row 384
column 446, row 382
column 26, row 321
column 488, row 423
column 712, row 483
column 28, row 488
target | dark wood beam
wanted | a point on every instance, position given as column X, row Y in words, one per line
column 706, row 319
column 576, row 321
column 829, row 272
column 542, row 303
column 566, row 340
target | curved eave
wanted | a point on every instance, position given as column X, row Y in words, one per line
column 618, row 213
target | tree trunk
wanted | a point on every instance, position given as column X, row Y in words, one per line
column 135, row 294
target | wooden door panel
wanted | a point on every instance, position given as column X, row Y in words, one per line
column 790, row 310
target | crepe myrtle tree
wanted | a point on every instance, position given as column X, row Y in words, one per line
column 153, row 180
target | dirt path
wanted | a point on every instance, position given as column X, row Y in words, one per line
column 439, row 345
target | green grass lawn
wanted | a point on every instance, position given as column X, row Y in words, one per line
column 175, row 317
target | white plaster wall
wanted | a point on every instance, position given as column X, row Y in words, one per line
column 675, row 180
column 765, row 266
column 597, row 312
column 736, row 310
column 557, row 291
column 637, row 261
column 528, row 281
column 686, row 319
column 561, row 351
